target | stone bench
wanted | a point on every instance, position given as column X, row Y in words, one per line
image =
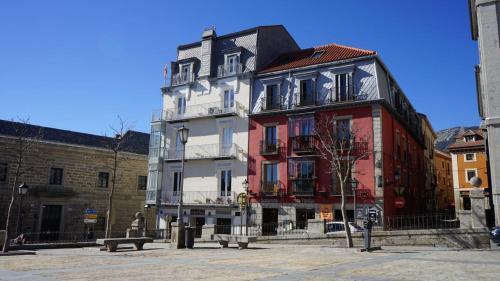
column 111, row 244
column 241, row 240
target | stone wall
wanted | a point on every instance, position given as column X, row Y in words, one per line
column 79, row 189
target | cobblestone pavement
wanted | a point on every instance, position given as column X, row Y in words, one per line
column 260, row 262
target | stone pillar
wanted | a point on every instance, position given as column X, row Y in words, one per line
column 478, row 217
column 177, row 236
column 207, row 230
column 465, row 218
column 315, row 226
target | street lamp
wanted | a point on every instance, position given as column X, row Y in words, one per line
column 183, row 134
column 245, row 187
column 22, row 191
column 354, row 186
column 146, row 209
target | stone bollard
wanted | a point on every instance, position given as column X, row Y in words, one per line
column 207, row 231
column 177, row 237
column 315, row 226
column 478, row 217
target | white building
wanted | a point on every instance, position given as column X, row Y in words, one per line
column 209, row 93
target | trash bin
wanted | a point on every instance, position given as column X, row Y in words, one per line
column 189, row 238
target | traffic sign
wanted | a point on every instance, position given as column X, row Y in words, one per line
column 399, row 202
column 89, row 216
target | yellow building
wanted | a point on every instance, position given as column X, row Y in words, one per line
column 468, row 160
column 430, row 184
column 444, row 182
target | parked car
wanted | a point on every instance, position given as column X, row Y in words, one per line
column 338, row 226
column 495, row 234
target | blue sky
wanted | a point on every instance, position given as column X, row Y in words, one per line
column 76, row 65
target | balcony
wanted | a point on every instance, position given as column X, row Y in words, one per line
column 331, row 99
column 303, row 186
column 212, row 109
column 227, row 70
column 199, row 198
column 303, row 144
column 269, row 148
column 181, row 79
column 305, row 100
column 270, row 188
column 204, row 151
column 268, row 104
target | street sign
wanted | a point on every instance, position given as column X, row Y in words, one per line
column 363, row 194
column 89, row 216
column 399, row 202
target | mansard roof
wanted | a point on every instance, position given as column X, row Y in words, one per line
column 330, row 53
column 135, row 142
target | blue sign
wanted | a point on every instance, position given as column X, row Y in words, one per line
column 90, row 211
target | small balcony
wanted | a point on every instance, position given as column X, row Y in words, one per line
column 305, row 100
column 267, row 148
column 303, row 144
column 204, row 151
column 303, row 186
column 199, row 198
column 270, row 188
column 212, row 109
column 269, row 104
column 331, row 99
column 226, row 70
column 182, row 78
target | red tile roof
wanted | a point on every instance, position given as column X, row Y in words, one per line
column 460, row 144
column 332, row 52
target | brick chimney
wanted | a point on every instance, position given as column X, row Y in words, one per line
column 207, row 45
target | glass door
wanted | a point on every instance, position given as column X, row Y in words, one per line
column 228, row 100
column 227, row 141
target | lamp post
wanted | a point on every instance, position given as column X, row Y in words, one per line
column 22, row 190
column 354, row 186
column 245, row 187
column 183, row 134
column 146, row 211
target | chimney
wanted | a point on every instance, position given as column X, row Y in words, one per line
column 207, row 45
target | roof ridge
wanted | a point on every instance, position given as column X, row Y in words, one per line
column 353, row 48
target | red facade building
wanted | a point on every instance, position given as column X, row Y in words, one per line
column 289, row 182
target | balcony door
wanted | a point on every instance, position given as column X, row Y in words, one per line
column 227, row 141
column 225, row 183
column 181, row 106
column 270, row 138
column 270, row 178
column 176, row 184
column 228, row 99
column 231, row 64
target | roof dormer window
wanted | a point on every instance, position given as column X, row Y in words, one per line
column 317, row 54
column 469, row 138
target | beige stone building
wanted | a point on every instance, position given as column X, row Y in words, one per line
column 430, row 169
column 70, row 174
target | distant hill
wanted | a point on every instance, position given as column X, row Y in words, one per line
column 447, row 136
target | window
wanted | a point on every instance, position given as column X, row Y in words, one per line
column 185, row 69
column 56, row 176
column 317, row 54
column 3, row 172
column 306, row 92
column 102, row 179
column 469, row 157
column 231, row 64
column 228, row 99
column 181, row 105
column 469, row 138
column 398, row 146
column 272, row 97
column 342, row 90
column 270, row 174
column 469, row 174
column 227, row 140
column 343, row 129
column 301, row 169
column 225, row 183
column 142, row 182
column 176, row 182
column 270, row 136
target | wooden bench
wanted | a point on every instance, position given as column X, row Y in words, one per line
column 241, row 240
column 111, row 244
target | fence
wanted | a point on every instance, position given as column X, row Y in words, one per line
column 425, row 221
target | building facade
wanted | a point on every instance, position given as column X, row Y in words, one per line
column 68, row 173
column 485, row 27
column 445, row 198
column 469, row 159
column 209, row 94
column 288, row 182
column 430, row 173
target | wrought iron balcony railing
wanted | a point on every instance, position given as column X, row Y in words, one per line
column 211, row 109
column 305, row 100
column 271, row 188
column 269, row 148
column 333, row 98
column 199, row 197
column 182, row 78
column 269, row 104
column 303, row 186
column 229, row 69
column 305, row 143
column 204, row 151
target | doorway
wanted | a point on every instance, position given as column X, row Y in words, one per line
column 199, row 222
column 223, row 226
column 269, row 221
column 51, row 222
column 301, row 217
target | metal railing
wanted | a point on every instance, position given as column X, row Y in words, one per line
column 200, row 197
column 265, row 229
column 303, row 186
column 425, row 221
column 304, row 100
column 269, row 104
column 270, row 188
column 229, row 69
column 204, row 151
column 306, row 143
column 182, row 78
column 331, row 98
column 269, row 148
column 196, row 111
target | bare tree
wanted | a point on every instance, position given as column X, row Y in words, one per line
column 341, row 145
column 25, row 138
column 116, row 146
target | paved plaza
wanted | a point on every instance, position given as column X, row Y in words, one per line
column 260, row 262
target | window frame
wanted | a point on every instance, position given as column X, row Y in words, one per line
column 473, row 157
column 53, row 177
column 467, row 174
column 139, row 187
column 4, row 167
column 99, row 180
